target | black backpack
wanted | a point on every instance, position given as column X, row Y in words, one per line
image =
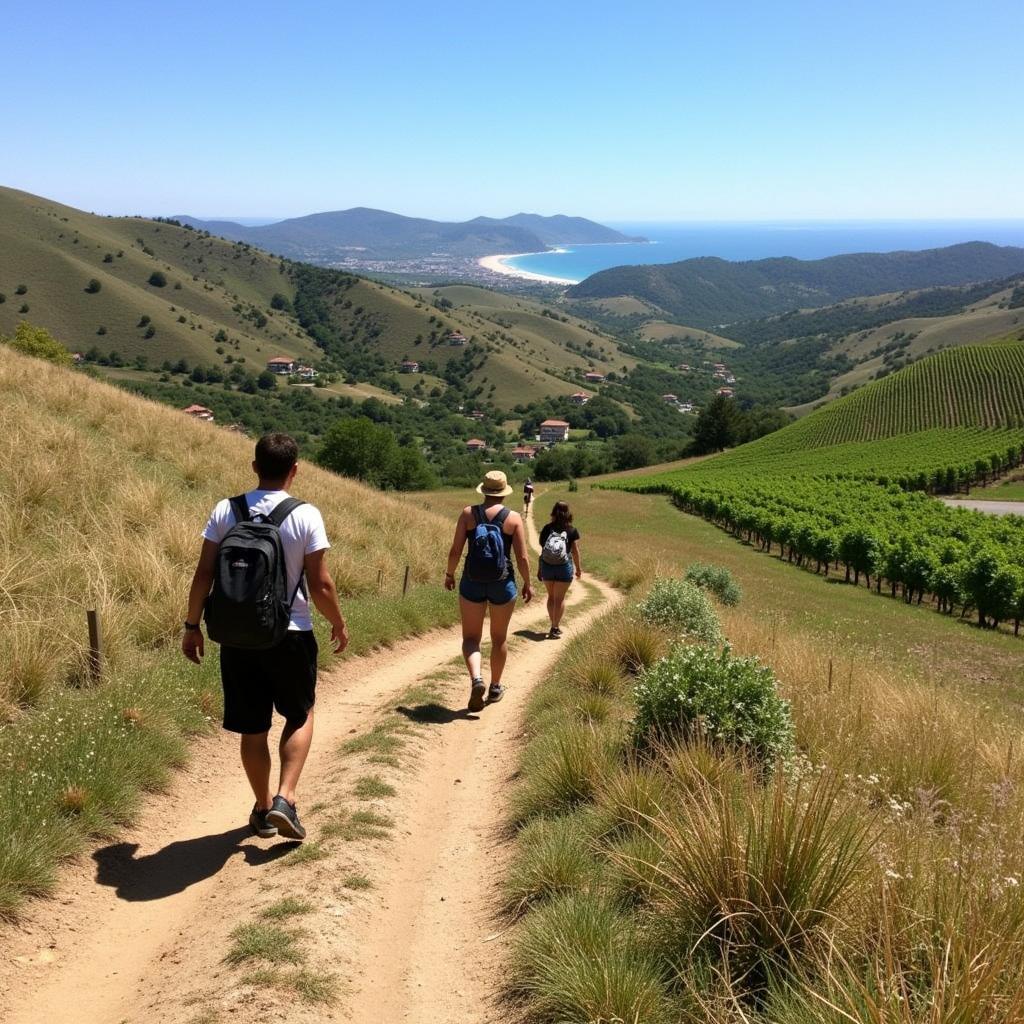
column 249, row 606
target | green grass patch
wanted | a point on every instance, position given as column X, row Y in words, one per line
column 289, row 906
column 356, row 882
column 267, row 942
column 305, row 853
column 373, row 787
column 313, row 987
column 357, row 825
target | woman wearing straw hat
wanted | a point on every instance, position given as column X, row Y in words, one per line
column 495, row 534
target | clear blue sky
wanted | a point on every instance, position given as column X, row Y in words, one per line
column 713, row 109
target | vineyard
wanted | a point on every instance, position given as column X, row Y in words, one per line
column 973, row 386
column 859, row 506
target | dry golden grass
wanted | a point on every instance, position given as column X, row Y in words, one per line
column 104, row 498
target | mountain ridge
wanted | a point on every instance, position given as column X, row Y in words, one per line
column 381, row 234
column 710, row 292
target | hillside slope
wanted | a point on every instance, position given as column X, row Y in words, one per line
column 217, row 308
column 710, row 292
column 975, row 386
column 105, row 496
column 211, row 285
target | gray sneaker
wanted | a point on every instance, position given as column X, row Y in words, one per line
column 495, row 693
column 259, row 824
column 476, row 695
column 285, row 817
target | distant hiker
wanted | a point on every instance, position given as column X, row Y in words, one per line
column 527, row 495
column 559, row 555
column 494, row 534
column 262, row 561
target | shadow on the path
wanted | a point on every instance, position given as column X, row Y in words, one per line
column 535, row 635
column 178, row 865
column 437, row 714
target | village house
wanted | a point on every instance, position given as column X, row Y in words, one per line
column 686, row 406
column 725, row 392
column 477, row 414
column 553, row 431
column 594, row 378
column 409, row 366
column 683, row 366
column 199, row 412
column 457, row 339
column 524, row 453
column 474, row 444
column 281, row 364
column 671, row 399
column 580, row 398
column 306, row 373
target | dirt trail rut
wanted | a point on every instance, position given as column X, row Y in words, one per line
column 138, row 931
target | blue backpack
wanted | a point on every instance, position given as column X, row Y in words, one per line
column 486, row 561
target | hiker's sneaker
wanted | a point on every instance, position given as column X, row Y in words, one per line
column 285, row 817
column 555, row 634
column 495, row 693
column 259, row 824
column 476, row 695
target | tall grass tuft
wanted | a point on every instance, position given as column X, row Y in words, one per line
column 562, row 768
column 752, row 878
column 553, row 856
column 580, row 959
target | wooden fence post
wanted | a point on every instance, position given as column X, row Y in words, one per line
column 95, row 645
column 405, row 582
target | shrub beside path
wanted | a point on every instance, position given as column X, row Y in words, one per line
column 139, row 931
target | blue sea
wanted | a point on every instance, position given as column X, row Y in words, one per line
column 806, row 240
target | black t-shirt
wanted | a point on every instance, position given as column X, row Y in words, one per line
column 571, row 535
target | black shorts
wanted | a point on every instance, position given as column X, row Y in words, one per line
column 256, row 682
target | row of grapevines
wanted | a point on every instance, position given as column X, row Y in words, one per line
column 860, row 506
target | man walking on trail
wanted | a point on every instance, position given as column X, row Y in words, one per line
column 527, row 495
column 262, row 562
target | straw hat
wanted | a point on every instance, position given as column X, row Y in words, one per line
column 495, row 485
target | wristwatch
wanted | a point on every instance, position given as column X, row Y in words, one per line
column 191, row 627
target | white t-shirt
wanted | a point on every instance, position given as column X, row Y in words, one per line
column 302, row 533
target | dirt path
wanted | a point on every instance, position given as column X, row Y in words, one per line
column 995, row 508
column 138, row 932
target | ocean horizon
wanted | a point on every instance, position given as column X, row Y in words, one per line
column 669, row 242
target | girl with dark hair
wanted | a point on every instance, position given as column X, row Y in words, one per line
column 559, row 562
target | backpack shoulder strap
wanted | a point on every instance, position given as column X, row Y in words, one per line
column 282, row 510
column 240, row 507
column 478, row 515
column 499, row 519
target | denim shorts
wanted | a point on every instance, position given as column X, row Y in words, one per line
column 494, row 593
column 557, row 573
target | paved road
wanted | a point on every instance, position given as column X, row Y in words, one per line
column 995, row 508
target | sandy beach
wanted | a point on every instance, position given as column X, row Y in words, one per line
column 495, row 264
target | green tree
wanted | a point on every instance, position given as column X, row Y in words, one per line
column 93, row 286
column 632, row 451
column 158, row 279
column 39, row 343
column 719, row 425
column 358, row 448
column 266, row 381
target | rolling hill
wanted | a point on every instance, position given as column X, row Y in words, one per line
column 378, row 234
column 851, row 485
column 711, row 292
column 230, row 305
column 104, row 498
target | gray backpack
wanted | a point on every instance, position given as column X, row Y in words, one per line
column 556, row 549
